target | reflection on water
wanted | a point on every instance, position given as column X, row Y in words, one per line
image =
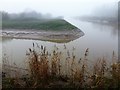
column 5, row 39
column 101, row 40
column 112, row 28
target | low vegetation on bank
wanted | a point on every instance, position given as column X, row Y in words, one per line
column 50, row 24
column 51, row 70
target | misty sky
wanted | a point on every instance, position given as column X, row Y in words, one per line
column 55, row 7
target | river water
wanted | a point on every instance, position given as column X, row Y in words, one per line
column 101, row 39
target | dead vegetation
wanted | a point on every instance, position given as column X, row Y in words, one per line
column 50, row 70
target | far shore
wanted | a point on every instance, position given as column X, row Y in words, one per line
column 53, row 36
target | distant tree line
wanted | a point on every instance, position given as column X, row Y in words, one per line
column 26, row 16
column 106, row 12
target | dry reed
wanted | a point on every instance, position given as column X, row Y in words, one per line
column 46, row 68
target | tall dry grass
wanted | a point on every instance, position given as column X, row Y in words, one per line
column 44, row 67
column 52, row 70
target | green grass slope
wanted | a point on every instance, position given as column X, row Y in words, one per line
column 52, row 24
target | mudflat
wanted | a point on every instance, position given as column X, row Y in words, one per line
column 60, row 36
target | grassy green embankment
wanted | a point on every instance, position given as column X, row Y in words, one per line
column 52, row 24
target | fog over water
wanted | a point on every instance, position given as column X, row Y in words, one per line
column 66, row 8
